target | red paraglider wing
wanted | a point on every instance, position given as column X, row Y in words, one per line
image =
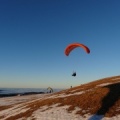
column 72, row 46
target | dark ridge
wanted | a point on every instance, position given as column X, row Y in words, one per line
column 20, row 94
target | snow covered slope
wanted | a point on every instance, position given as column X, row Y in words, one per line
column 97, row 100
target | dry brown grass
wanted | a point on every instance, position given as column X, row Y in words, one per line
column 101, row 100
column 5, row 107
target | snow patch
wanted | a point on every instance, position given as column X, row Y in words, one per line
column 104, row 84
column 55, row 113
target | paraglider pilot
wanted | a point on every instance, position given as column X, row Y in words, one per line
column 74, row 74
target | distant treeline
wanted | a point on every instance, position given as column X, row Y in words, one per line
column 20, row 94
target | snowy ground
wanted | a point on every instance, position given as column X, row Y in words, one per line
column 18, row 105
column 52, row 112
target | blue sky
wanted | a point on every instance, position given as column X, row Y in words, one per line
column 34, row 34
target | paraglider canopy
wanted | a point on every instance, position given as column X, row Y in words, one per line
column 50, row 90
column 72, row 46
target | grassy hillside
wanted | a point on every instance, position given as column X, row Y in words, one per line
column 101, row 97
